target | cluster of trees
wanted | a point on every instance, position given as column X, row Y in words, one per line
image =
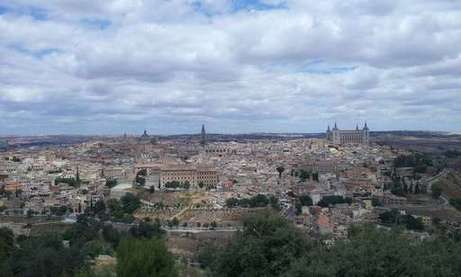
column 326, row 201
column 177, row 185
column 55, row 171
column 140, row 252
column 419, row 161
column 13, row 159
column 393, row 217
column 302, row 200
column 270, row 246
column 400, row 187
column 71, row 181
column 59, row 211
column 304, row 175
column 207, row 187
column 256, row 201
column 140, row 178
column 111, row 182
column 121, row 210
column 38, row 256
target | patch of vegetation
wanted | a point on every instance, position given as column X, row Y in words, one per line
column 177, row 185
column 139, row 252
column 59, row 211
column 304, row 175
column 256, row 201
column 334, row 199
column 271, row 246
column 145, row 257
column 436, row 191
column 393, row 217
column 456, row 202
column 419, row 161
column 70, row 181
column 111, row 182
column 302, row 200
column 141, row 177
column 123, row 210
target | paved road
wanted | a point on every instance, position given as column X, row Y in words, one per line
column 199, row 230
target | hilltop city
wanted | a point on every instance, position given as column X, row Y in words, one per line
column 202, row 186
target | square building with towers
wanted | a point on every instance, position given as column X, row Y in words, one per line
column 343, row 137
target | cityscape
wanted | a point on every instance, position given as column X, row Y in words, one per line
column 230, row 138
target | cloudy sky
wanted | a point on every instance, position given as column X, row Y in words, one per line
column 115, row 66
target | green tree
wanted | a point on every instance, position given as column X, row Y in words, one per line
column 436, row 191
column 130, row 203
column 140, row 178
column 303, row 200
column 271, row 246
column 303, row 175
column 147, row 230
column 111, row 182
column 333, row 199
column 280, row 170
column 232, row 202
column 99, row 207
column 111, row 235
column 174, row 221
column 456, row 202
column 315, row 176
column 6, row 242
column 46, row 256
column 265, row 247
column 141, row 257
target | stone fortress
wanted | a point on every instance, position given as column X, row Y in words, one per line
column 342, row 137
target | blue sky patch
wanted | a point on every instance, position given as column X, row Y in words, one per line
column 3, row 10
column 39, row 54
column 96, row 23
column 34, row 12
column 238, row 5
column 321, row 67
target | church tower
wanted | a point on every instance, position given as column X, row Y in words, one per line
column 203, row 140
column 366, row 134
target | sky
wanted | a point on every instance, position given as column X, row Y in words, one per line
column 237, row 66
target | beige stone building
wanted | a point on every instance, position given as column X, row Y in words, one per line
column 194, row 175
column 342, row 137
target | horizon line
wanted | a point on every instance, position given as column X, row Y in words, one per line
column 229, row 134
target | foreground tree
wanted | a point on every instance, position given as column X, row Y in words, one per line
column 265, row 247
column 270, row 246
column 140, row 257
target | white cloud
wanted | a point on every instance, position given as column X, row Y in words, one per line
column 171, row 65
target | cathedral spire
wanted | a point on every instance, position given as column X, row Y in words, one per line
column 203, row 136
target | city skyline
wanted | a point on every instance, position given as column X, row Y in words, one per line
column 242, row 66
